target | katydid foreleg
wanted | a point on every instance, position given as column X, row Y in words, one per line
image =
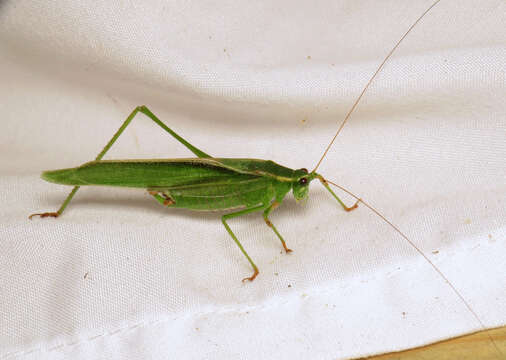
column 346, row 208
column 267, row 211
column 143, row 109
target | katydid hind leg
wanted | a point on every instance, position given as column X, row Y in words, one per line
column 162, row 198
column 62, row 207
column 143, row 109
column 100, row 155
column 199, row 153
column 267, row 211
column 224, row 219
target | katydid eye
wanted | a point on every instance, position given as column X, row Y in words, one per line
column 303, row 181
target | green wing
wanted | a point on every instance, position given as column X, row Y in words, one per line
column 167, row 173
column 258, row 167
column 147, row 174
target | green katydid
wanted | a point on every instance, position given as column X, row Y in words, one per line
column 205, row 182
column 202, row 183
column 208, row 183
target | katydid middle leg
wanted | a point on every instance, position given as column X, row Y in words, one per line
column 224, row 219
column 143, row 109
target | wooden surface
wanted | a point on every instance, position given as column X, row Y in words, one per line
column 475, row 346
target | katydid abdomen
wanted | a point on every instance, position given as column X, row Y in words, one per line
column 222, row 195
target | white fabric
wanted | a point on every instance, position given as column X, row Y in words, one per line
column 119, row 276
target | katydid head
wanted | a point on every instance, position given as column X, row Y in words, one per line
column 300, row 185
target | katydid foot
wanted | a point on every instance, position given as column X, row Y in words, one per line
column 348, row 209
column 251, row 278
column 287, row 250
column 46, row 214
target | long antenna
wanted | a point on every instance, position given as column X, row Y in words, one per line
column 413, row 245
column 369, row 83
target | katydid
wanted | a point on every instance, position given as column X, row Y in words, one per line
column 208, row 183
column 205, row 182
column 202, row 183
